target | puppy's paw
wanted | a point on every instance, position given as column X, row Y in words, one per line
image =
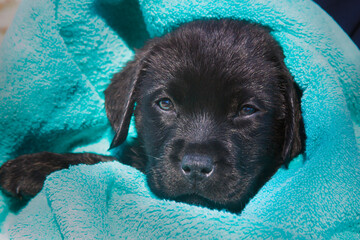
column 23, row 177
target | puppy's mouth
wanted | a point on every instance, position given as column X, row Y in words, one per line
column 203, row 195
column 197, row 200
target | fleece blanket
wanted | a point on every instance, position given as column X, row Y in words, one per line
column 58, row 57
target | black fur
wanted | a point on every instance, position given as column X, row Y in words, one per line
column 24, row 176
column 217, row 113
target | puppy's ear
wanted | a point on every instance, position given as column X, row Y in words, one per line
column 294, row 126
column 120, row 97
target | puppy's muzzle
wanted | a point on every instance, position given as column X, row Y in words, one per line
column 197, row 167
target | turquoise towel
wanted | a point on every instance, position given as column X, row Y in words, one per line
column 55, row 62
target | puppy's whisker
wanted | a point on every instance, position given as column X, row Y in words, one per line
column 150, row 156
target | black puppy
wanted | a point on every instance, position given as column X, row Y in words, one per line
column 217, row 113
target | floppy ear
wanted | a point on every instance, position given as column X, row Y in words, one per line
column 294, row 126
column 120, row 97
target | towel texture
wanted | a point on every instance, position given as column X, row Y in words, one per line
column 57, row 59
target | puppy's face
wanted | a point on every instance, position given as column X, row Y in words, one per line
column 216, row 112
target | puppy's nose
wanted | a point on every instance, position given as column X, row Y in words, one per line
column 197, row 167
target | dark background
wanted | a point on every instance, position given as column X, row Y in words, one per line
column 346, row 13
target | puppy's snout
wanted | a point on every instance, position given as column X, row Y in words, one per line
column 197, row 167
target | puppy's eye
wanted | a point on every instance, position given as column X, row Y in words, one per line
column 165, row 104
column 247, row 110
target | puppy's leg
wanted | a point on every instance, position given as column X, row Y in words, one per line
column 23, row 177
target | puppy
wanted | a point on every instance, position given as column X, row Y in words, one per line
column 217, row 113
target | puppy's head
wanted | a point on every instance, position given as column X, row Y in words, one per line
column 217, row 112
